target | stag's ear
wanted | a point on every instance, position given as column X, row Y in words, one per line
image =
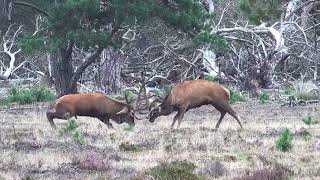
column 123, row 111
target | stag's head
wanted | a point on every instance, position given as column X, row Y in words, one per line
column 127, row 115
column 156, row 107
column 154, row 113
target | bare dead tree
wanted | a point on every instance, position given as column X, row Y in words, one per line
column 9, row 48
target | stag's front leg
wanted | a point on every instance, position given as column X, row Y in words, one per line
column 175, row 119
column 178, row 117
column 105, row 120
column 182, row 111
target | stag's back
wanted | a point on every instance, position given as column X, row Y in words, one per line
column 198, row 92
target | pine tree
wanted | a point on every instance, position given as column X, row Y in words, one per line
column 94, row 24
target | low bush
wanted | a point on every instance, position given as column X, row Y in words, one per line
column 309, row 121
column 264, row 97
column 266, row 174
column 305, row 90
column 235, row 96
column 128, row 128
column 70, row 127
column 28, row 95
column 126, row 146
column 214, row 169
column 209, row 77
column 284, row 142
column 175, row 170
column 93, row 161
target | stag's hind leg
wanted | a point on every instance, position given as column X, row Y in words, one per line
column 234, row 114
column 223, row 113
column 226, row 108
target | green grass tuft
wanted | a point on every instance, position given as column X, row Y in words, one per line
column 264, row 97
column 309, row 121
column 175, row 170
column 126, row 146
column 284, row 142
column 235, row 96
column 70, row 127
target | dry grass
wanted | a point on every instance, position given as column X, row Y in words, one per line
column 30, row 148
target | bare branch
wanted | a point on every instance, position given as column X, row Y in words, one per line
column 32, row 6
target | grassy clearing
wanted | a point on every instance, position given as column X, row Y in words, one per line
column 31, row 148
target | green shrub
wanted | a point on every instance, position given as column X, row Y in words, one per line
column 235, row 96
column 174, row 170
column 76, row 134
column 4, row 101
column 209, row 77
column 244, row 156
column 308, row 120
column 264, row 97
column 128, row 128
column 284, row 142
column 70, row 127
column 29, row 95
column 130, row 95
column 126, row 146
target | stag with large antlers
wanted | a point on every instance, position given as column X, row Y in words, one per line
column 191, row 94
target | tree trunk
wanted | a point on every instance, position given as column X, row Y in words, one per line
column 266, row 74
column 62, row 72
column 111, row 70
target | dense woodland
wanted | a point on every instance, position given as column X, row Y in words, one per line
column 100, row 45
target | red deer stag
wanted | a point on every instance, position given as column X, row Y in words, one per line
column 191, row 94
column 93, row 105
